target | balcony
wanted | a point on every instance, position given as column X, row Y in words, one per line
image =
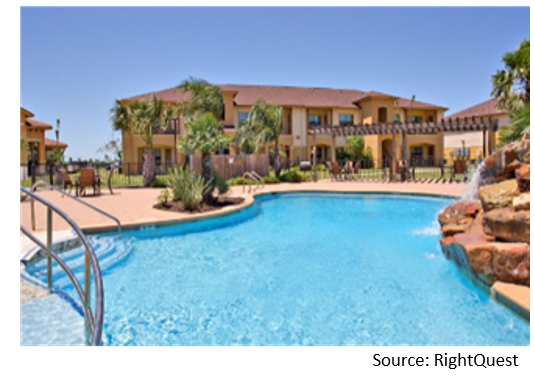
column 165, row 130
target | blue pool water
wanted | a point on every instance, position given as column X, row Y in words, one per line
column 297, row 269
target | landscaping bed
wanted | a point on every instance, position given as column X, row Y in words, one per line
column 218, row 203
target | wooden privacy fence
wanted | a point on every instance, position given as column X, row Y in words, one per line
column 230, row 166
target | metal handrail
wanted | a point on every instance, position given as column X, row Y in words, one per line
column 260, row 178
column 255, row 177
column 93, row 322
column 76, row 199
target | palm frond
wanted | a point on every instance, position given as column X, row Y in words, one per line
column 205, row 97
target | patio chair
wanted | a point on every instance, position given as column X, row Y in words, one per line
column 459, row 167
column 66, row 180
column 87, row 179
column 336, row 171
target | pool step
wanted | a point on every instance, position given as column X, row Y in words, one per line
column 109, row 251
column 50, row 321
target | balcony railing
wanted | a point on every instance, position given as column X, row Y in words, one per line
column 166, row 130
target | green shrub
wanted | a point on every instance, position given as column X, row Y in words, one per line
column 271, row 180
column 186, row 186
column 159, row 182
column 322, row 168
column 164, row 196
column 220, row 184
column 295, row 176
column 238, row 181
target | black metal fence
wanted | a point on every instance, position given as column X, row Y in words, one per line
column 131, row 174
column 120, row 175
column 418, row 170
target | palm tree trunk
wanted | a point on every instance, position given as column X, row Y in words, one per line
column 149, row 166
column 207, row 175
column 276, row 158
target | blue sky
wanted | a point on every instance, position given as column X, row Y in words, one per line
column 74, row 62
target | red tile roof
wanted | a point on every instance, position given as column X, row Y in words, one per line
column 247, row 95
column 486, row 108
column 53, row 143
column 38, row 124
column 294, row 96
column 409, row 104
column 27, row 112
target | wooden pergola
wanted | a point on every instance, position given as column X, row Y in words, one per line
column 483, row 124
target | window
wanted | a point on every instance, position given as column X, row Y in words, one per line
column 416, row 151
column 396, row 118
column 314, row 119
column 416, row 120
column 462, row 152
column 242, row 117
column 495, row 125
column 346, row 119
column 157, row 156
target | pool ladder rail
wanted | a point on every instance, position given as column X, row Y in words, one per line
column 254, row 177
column 93, row 320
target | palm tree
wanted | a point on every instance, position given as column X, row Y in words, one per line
column 205, row 97
column 23, row 143
column 519, row 126
column 512, row 84
column 265, row 125
column 204, row 134
column 142, row 117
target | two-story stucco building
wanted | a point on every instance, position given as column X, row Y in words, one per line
column 37, row 147
column 303, row 107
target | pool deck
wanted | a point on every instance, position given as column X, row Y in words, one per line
column 134, row 207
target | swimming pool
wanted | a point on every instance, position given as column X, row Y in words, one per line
column 296, row 269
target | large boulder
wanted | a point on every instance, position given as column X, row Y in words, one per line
column 456, row 217
column 511, row 262
column 498, row 195
column 522, row 202
column 489, row 261
column 499, row 166
column 508, row 225
column 522, row 175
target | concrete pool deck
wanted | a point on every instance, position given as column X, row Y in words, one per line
column 134, row 207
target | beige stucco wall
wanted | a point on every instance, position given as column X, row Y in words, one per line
column 229, row 116
column 299, row 125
